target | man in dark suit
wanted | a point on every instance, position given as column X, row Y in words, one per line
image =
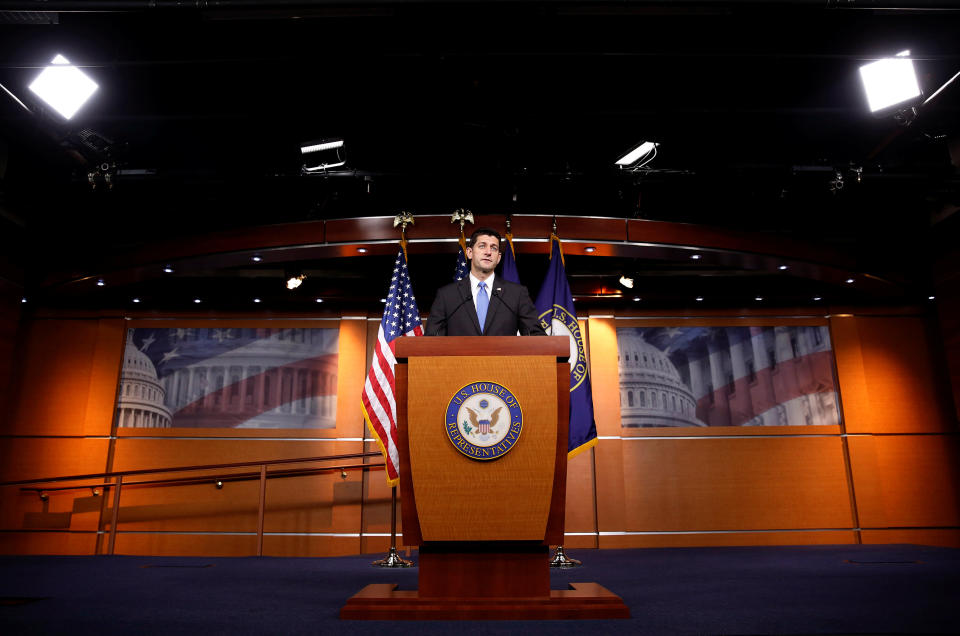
column 503, row 307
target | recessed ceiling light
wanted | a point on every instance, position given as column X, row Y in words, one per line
column 167, row 269
column 256, row 300
column 383, row 300
column 849, row 280
column 699, row 299
column 782, row 267
column 319, row 300
column 24, row 299
column 256, row 258
column 100, row 282
column 362, row 250
column 136, row 300
column 637, row 299
column 197, row 300
column 63, row 87
column 758, row 297
column 931, row 297
column 695, row 257
column 589, row 249
column 295, row 281
column 818, row 297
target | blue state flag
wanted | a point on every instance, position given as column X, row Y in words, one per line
column 558, row 318
column 509, row 271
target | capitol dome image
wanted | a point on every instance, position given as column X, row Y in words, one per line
column 140, row 403
column 652, row 392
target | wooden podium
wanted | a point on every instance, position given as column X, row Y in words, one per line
column 484, row 514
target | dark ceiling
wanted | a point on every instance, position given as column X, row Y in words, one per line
column 502, row 107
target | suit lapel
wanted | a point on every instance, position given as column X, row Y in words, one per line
column 491, row 311
column 465, row 292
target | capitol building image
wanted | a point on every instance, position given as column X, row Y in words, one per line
column 141, row 399
column 651, row 390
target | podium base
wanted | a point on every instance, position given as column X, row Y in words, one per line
column 382, row 601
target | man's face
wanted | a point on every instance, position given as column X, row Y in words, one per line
column 484, row 255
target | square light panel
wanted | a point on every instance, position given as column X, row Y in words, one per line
column 889, row 82
column 63, row 86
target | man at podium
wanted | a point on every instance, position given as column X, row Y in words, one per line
column 483, row 304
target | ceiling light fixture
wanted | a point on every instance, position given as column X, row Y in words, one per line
column 256, row 300
column 24, row 299
column 931, row 297
column 100, row 282
column 626, row 282
column 319, row 146
column 758, row 298
column 167, row 269
column 322, row 162
column 699, row 299
column 696, row 257
column 589, row 249
column 136, row 300
column 256, row 258
column 818, row 297
column 637, row 299
column 362, row 250
column 295, row 281
column 319, row 300
column 63, row 86
column 639, row 156
column 849, row 280
column 197, row 301
column 782, row 268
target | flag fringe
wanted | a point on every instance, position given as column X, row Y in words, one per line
column 383, row 449
column 582, row 447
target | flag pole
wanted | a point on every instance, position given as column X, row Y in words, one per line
column 393, row 560
column 560, row 559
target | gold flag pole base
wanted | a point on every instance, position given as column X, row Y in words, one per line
column 561, row 560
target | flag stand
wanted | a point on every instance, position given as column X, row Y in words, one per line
column 393, row 560
column 561, row 560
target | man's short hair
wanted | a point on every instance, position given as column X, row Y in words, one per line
column 483, row 231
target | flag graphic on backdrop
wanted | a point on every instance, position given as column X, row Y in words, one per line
column 558, row 317
column 509, row 271
column 401, row 317
column 229, row 377
column 462, row 270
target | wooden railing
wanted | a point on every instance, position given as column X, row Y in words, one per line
column 34, row 485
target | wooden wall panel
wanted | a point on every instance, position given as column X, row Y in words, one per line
column 351, row 375
column 906, row 480
column 189, row 508
column 72, row 543
column 735, row 484
column 695, row 539
column 39, row 457
column 947, row 538
column 581, row 512
column 891, row 378
column 316, row 503
column 209, row 545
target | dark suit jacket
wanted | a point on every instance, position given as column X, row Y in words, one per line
column 511, row 310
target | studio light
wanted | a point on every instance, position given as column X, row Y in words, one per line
column 63, row 86
column 890, row 82
column 325, row 155
column 295, row 281
column 626, row 282
column 639, row 156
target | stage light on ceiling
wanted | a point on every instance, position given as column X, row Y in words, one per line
column 167, row 269
column 890, row 81
column 626, row 282
column 295, row 281
column 63, row 86
column 639, row 156
column 318, row 146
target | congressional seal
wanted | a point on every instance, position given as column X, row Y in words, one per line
column 483, row 420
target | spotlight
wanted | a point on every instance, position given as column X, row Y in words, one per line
column 325, row 161
column 626, row 282
column 63, row 86
column 782, row 268
column 256, row 258
column 637, row 299
column 361, row 250
column 135, row 300
column 589, row 249
column 699, row 299
column 167, row 269
column 100, row 282
column 890, row 82
column 317, row 146
column 23, row 300
column 696, row 257
column 639, row 156
column 197, row 301
column 295, row 281
column 818, row 297
column 758, row 298
column 256, row 300
column 931, row 297
column 319, row 300
column 849, row 280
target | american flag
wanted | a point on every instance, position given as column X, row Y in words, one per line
column 461, row 270
column 401, row 317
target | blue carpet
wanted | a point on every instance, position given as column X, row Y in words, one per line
column 855, row 589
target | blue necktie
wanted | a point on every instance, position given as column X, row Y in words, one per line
column 482, row 303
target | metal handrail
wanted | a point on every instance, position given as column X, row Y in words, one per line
column 261, row 475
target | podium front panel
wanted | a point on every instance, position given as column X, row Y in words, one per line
column 459, row 498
